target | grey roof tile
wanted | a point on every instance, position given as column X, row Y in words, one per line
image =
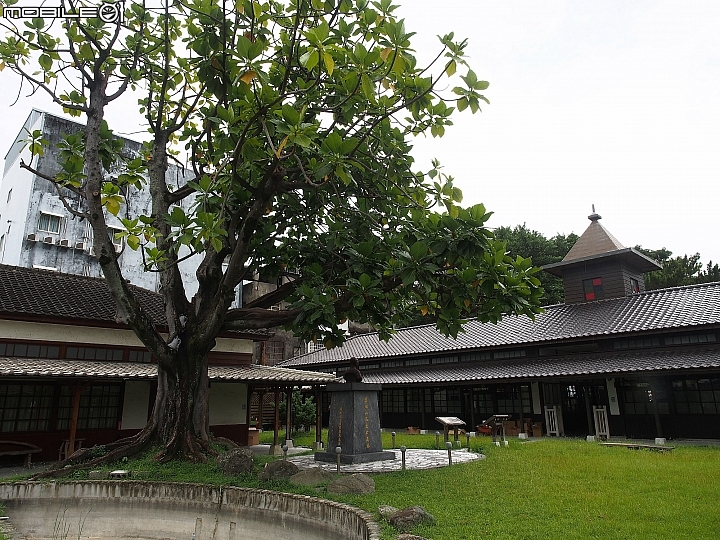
column 34, row 367
column 527, row 368
column 662, row 309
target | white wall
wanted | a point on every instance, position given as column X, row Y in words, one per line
column 228, row 403
column 136, row 404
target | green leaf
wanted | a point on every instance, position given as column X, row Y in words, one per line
column 451, row 68
column 290, row 115
column 367, row 87
column 365, row 280
column 329, row 63
column 310, row 59
column 45, row 62
column 133, row 242
column 418, row 250
column 216, row 243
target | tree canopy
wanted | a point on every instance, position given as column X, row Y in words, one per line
column 525, row 242
column 678, row 271
column 297, row 119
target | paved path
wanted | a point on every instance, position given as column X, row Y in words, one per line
column 414, row 459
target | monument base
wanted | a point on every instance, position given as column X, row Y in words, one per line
column 351, row 459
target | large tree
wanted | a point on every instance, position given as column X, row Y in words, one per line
column 296, row 118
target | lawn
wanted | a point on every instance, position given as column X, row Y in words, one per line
column 551, row 488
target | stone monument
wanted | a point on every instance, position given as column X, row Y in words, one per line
column 354, row 421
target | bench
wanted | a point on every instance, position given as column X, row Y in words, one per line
column 638, row 446
column 17, row 448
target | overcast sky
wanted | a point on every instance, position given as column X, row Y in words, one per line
column 611, row 103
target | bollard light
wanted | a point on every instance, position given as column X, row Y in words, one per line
column 468, row 439
column 448, row 445
column 393, row 440
column 284, row 449
column 437, row 440
column 402, row 451
column 338, row 451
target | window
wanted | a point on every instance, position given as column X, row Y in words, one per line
column 474, row 357
column 697, row 396
column 509, row 354
column 393, row 401
column 49, row 223
column 392, row 363
column 484, row 400
column 317, row 346
column 593, row 289
column 112, row 231
column 637, row 343
column 99, row 407
column 140, row 356
column 92, row 353
column 445, row 360
column 274, row 351
column 690, row 339
column 415, row 398
column 25, row 407
column 25, row 350
column 634, row 286
column 417, row 362
column 447, row 401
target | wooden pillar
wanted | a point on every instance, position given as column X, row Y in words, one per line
column 276, row 425
column 77, row 392
column 318, row 415
column 588, row 410
column 422, row 408
column 521, row 418
column 261, row 393
column 472, row 410
column 656, row 411
column 288, row 413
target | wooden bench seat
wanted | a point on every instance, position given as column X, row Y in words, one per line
column 638, row 446
column 17, row 448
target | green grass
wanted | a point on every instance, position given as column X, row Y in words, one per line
column 545, row 489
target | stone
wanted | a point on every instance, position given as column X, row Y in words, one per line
column 236, row 462
column 406, row 536
column 278, row 470
column 98, row 475
column 355, row 484
column 407, row 518
column 385, row 510
column 120, row 473
column 315, row 476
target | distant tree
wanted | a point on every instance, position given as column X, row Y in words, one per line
column 528, row 243
column 678, row 271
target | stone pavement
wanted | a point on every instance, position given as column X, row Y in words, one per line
column 414, row 459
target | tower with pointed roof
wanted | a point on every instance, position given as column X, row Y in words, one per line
column 598, row 267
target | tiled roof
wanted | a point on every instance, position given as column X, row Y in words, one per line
column 33, row 367
column 526, row 368
column 595, row 240
column 664, row 309
column 36, row 292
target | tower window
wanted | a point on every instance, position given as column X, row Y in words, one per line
column 634, row 286
column 593, row 289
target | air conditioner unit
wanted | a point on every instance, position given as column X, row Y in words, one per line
column 82, row 246
column 32, row 237
column 48, row 240
column 64, row 243
column 118, row 248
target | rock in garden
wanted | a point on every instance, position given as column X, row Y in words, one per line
column 405, row 536
column 278, row 470
column 98, row 475
column 235, row 462
column 385, row 510
column 407, row 518
column 356, row 484
column 316, row 476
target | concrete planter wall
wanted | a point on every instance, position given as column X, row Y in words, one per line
column 147, row 510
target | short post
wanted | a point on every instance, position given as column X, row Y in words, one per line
column 402, row 451
column 448, row 445
column 284, row 449
column 468, row 439
column 338, row 451
column 393, row 440
column 437, row 440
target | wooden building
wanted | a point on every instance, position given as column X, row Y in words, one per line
column 614, row 359
column 70, row 372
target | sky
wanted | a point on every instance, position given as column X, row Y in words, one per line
column 611, row 103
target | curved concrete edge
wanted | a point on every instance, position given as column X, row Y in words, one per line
column 355, row 524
